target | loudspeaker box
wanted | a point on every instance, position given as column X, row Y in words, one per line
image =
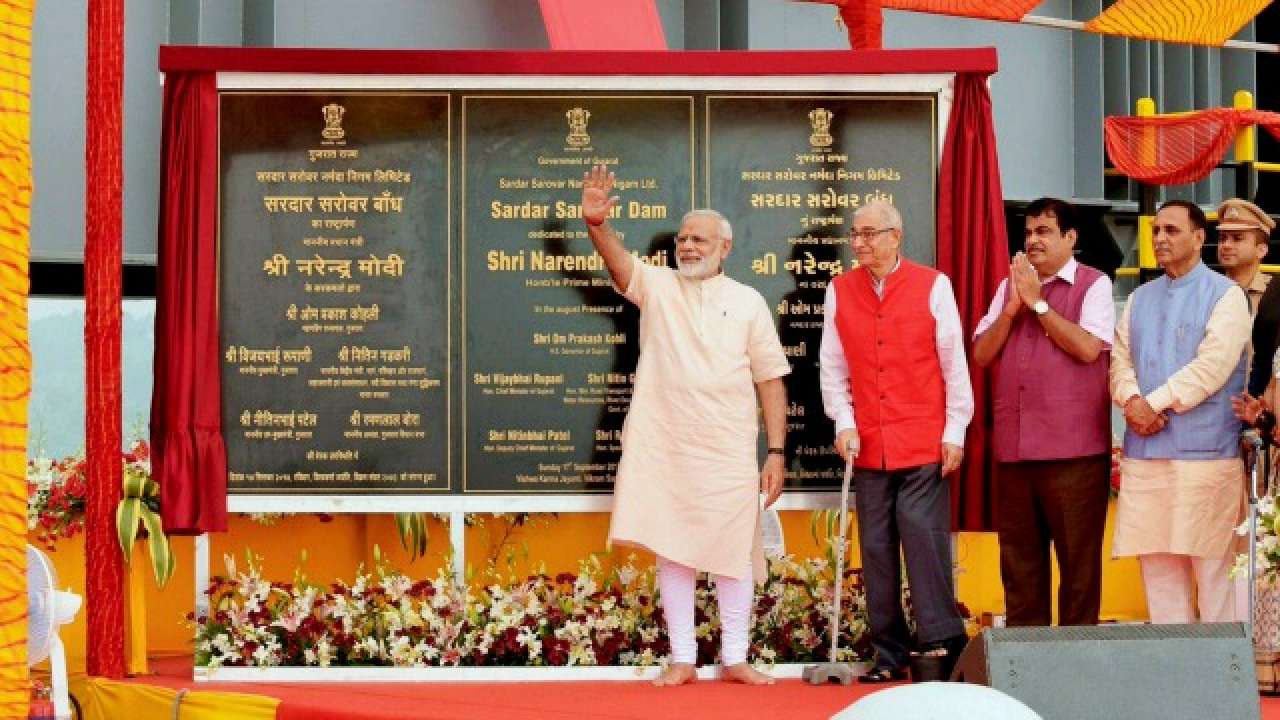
column 1135, row 672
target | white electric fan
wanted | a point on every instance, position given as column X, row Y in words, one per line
column 48, row 608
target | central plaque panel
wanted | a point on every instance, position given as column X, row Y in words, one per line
column 550, row 347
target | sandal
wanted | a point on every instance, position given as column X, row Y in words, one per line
column 878, row 675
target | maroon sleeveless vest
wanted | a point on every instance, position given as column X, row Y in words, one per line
column 1048, row 405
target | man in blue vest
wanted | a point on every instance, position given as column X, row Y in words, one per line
column 1177, row 361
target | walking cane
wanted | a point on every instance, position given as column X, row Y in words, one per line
column 831, row 670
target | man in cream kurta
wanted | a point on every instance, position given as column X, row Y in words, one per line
column 1178, row 359
column 688, row 486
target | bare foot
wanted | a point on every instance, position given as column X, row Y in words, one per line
column 745, row 674
column 676, row 674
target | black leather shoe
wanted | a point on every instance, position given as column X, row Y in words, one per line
column 878, row 675
column 955, row 646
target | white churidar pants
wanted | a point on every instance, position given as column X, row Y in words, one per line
column 677, row 582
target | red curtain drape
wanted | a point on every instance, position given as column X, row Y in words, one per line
column 104, row 171
column 973, row 251
column 1177, row 149
column 188, row 455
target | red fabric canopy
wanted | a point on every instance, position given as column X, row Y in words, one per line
column 1177, row 149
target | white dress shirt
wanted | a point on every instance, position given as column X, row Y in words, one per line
column 949, row 338
column 1097, row 313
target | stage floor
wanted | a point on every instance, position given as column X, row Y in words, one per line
column 712, row 700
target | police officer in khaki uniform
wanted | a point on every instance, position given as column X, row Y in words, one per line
column 1243, row 232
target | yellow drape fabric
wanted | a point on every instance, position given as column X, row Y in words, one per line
column 16, row 17
column 1197, row 22
column 103, row 699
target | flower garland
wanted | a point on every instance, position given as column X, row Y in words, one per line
column 56, row 491
column 1267, row 562
column 594, row 617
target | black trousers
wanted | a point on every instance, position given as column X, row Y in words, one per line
column 1063, row 502
column 908, row 509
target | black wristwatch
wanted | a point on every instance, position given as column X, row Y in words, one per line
column 777, row 451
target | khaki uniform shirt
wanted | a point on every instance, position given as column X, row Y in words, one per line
column 1254, row 290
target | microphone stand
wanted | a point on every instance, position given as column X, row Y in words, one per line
column 1258, row 448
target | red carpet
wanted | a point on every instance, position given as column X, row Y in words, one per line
column 709, row 700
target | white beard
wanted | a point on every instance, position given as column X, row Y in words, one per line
column 700, row 270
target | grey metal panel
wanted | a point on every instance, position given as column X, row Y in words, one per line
column 260, row 23
column 702, row 25
column 184, row 22
column 1178, row 83
column 1207, row 86
column 1177, row 93
column 289, row 23
column 1140, row 52
column 807, row 26
column 221, row 22
column 1117, row 100
column 1031, row 96
column 775, row 25
column 410, row 24
column 1116, row 90
column 1238, row 71
column 1155, row 73
column 1087, row 110
column 58, row 57
column 672, row 14
column 1139, row 82
column 734, row 16
column 144, row 32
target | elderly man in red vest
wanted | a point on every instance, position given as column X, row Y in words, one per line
column 895, row 382
column 1049, row 331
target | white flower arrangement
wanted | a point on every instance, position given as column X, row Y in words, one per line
column 593, row 617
